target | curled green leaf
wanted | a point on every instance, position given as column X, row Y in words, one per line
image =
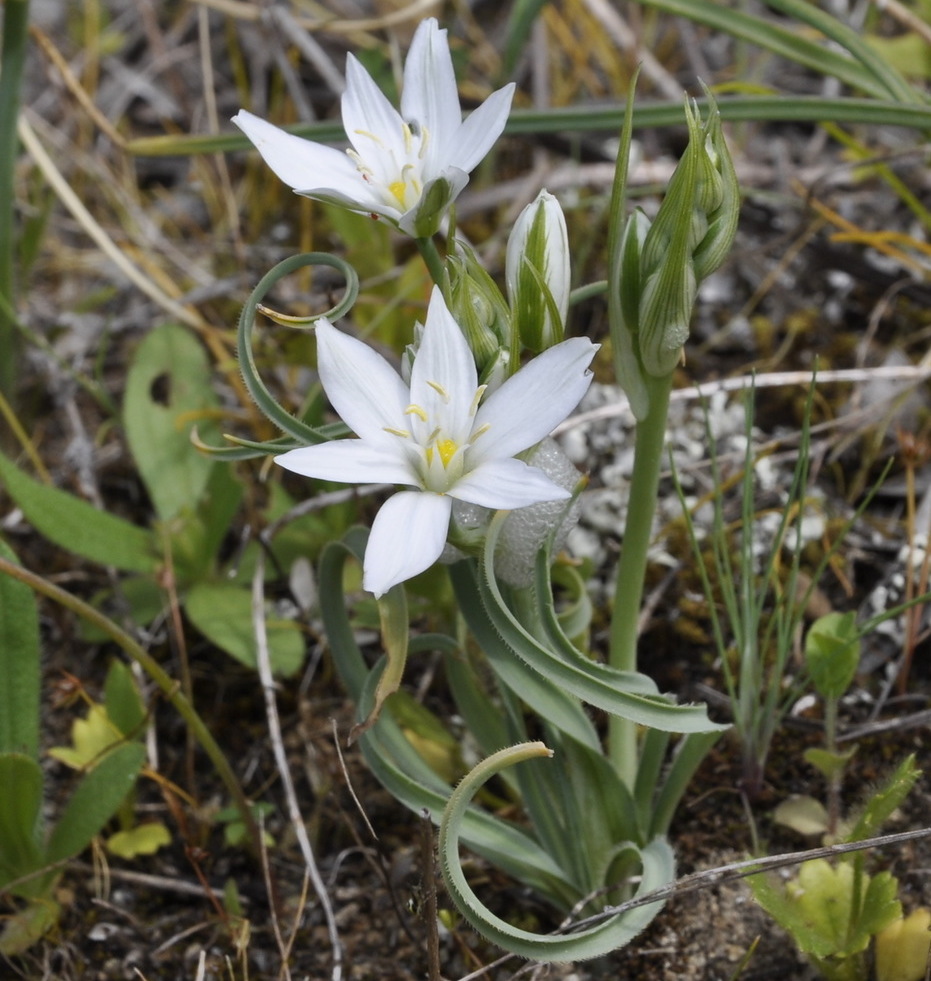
column 658, row 869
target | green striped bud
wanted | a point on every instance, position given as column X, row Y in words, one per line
column 537, row 273
column 478, row 307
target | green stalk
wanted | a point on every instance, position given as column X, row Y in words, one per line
column 650, row 441
column 12, row 60
column 167, row 685
column 434, row 262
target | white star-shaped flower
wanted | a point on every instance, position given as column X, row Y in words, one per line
column 437, row 436
column 407, row 167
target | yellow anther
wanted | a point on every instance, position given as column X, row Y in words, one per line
column 478, row 432
column 479, row 392
column 371, row 136
column 408, row 139
column 415, row 410
column 438, row 388
column 397, row 432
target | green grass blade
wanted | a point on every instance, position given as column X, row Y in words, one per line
column 19, row 665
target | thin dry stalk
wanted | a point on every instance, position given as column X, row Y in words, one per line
column 294, row 811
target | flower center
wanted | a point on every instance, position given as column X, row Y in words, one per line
column 386, row 162
column 446, row 448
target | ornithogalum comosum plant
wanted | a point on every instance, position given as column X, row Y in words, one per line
column 461, row 429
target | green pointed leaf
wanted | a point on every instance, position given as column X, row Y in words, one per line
column 78, row 527
column 123, row 701
column 168, row 392
column 95, row 801
column 19, row 665
column 20, row 853
column 881, row 802
column 395, row 637
column 222, row 612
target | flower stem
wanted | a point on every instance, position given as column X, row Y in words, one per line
column 434, row 262
column 628, row 593
column 12, row 59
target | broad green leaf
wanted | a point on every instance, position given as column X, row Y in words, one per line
column 78, row 527
column 803, row 814
column 832, row 653
column 168, row 392
column 144, row 839
column 222, row 612
column 95, row 801
column 19, row 665
column 20, row 852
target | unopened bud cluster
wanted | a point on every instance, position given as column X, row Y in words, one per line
column 663, row 262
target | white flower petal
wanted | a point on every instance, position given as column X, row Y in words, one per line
column 407, row 537
column 506, row 484
column 532, row 402
column 480, row 130
column 373, row 125
column 349, row 461
column 362, row 387
column 445, row 360
column 302, row 164
column 429, row 96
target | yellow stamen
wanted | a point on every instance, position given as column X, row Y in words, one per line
column 479, row 392
column 438, row 388
column 371, row 136
column 478, row 432
column 415, row 410
column 397, row 432
column 398, row 188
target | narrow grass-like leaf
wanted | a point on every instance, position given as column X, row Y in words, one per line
column 656, row 860
column 77, row 526
column 621, row 693
column 257, row 389
column 19, row 666
column 395, row 762
column 589, row 119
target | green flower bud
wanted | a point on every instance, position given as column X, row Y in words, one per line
column 478, row 307
column 663, row 263
column 628, row 369
column 437, row 196
column 537, row 273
